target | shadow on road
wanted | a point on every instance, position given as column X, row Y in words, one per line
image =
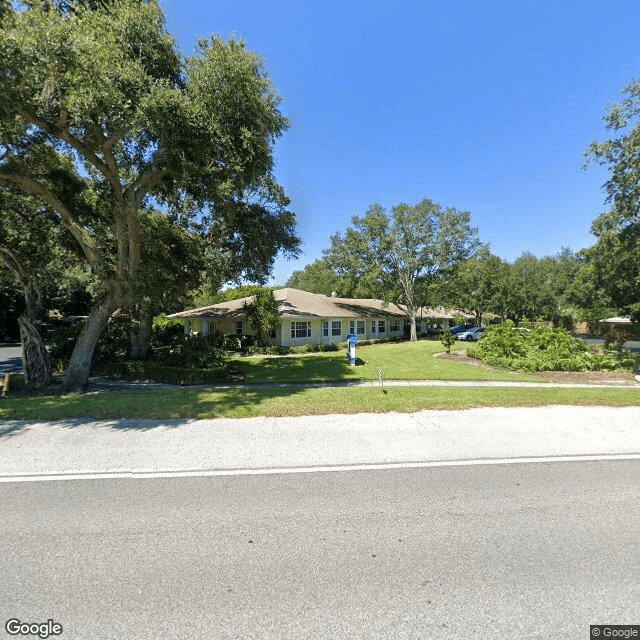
column 11, row 365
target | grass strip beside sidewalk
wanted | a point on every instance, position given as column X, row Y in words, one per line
column 291, row 401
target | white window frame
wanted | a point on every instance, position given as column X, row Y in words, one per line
column 361, row 327
column 336, row 328
column 239, row 328
column 300, row 327
column 394, row 325
column 381, row 326
column 374, row 326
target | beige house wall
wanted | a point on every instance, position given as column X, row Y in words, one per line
column 206, row 326
column 391, row 328
column 318, row 330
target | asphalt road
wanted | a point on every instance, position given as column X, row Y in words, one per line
column 537, row 550
column 10, row 358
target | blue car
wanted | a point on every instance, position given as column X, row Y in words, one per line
column 459, row 328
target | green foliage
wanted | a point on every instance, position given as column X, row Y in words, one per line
column 478, row 286
column 448, row 340
column 543, row 349
column 615, row 268
column 319, row 277
column 319, row 348
column 195, row 351
column 203, row 296
column 169, row 347
column 166, row 329
column 113, row 345
column 102, row 89
column 399, row 255
column 262, row 314
column 11, row 306
column 158, row 372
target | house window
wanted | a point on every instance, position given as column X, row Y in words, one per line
column 394, row 325
column 300, row 329
column 374, row 326
column 239, row 327
column 360, row 326
column 325, row 328
column 352, row 326
column 336, row 328
column 381, row 326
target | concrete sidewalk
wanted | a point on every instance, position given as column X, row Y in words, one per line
column 84, row 446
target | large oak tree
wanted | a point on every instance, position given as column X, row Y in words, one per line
column 104, row 84
column 401, row 255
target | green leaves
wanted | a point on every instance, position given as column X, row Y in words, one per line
column 398, row 255
column 103, row 84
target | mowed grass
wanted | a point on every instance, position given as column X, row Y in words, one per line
column 397, row 361
column 299, row 401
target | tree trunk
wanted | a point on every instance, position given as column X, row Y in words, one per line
column 414, row 331
column 35, row 359
column 80, row 363
column 141, row 339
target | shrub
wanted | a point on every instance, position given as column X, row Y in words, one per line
column 155, row 372
column 544, row 349
column 165, row 330
column 190, row 351
column 501, row 341
column 113, row 345
column 448, row 340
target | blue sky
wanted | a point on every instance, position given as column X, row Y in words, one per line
column 484, row 106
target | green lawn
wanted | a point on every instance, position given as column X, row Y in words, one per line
column 398, row 361
column 286, row 401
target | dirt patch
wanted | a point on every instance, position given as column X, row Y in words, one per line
column 605, row 378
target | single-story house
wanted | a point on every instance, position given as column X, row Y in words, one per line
column 310, row 318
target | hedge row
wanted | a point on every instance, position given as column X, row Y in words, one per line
column 155, row 372
column 545, row 349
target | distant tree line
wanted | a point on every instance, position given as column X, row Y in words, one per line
column 427, row 256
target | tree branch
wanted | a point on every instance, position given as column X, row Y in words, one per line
column 82, row 149
column 139, row 188
column 36, row 188
column 13, row 264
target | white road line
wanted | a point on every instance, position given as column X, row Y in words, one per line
column 195, row 473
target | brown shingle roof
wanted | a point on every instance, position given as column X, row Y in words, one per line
column 294, row 303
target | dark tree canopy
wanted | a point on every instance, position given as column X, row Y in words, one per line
column 102, row 86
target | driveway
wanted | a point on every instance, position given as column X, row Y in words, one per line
column 633, row 345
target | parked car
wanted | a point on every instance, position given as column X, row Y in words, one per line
column 432, row 330
column 472, row 335
column 458, row 328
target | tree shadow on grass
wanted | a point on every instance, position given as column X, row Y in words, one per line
column 141, row 407
column 144, row 410
column 333, row 367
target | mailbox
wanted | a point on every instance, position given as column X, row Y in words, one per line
column 352, row 341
